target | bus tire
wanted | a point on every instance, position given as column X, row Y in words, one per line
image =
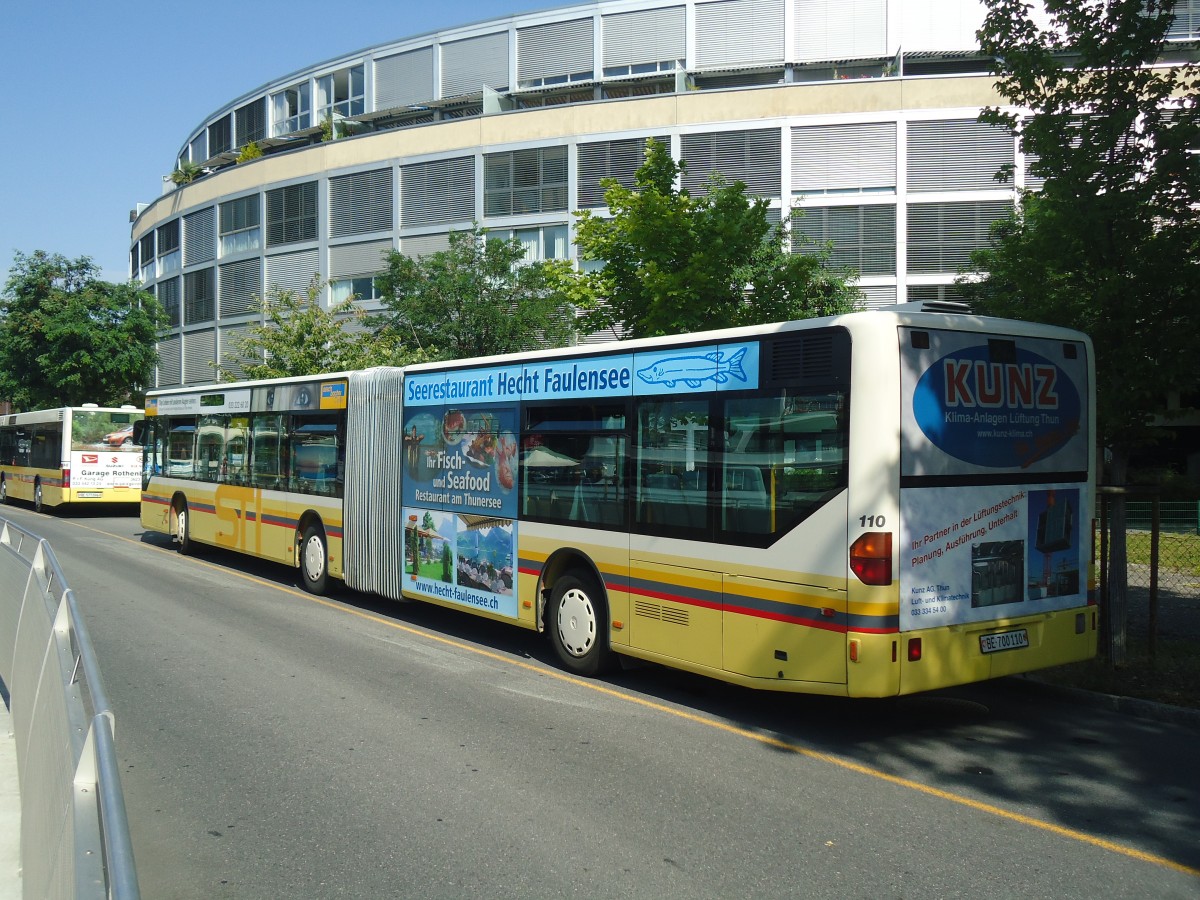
column 183, row 530
column 313, row 557
column 578, row 624
column 38, row 504
column 3, row 490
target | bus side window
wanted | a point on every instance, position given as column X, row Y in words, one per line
column 180, row 448
column 210, row 447
column 237, row 457
column 266, row 452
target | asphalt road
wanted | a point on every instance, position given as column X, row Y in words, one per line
column 273, row 744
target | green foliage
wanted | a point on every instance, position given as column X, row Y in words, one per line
column 477, row 298
column 327, row 132
column 673, row 263
column 187, row 172
column 1109, row 245
column 249, row 151
column 68, row 338
column 300, row 337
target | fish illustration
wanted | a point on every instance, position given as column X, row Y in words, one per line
column 695, row 370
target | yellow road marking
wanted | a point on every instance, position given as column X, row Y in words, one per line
column 769, row 740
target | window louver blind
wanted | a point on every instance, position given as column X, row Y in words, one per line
column 644, row 36
column 199, row 294
column 754, row 157
column 168, row 297
column 878, row 295
column 231, row 358
column 241, row 287
column 170, row 361
column 404, row 78
column 168, row 237
column 618, row 160
column 863, row 237
column 557, row 49
column 979, row 151
column 941, row 236
column 199, row 350
column 199, row 236
column 437, row 192
column 837, row 158
column 360, row 203
column 220, row 135
column 469, row 64
column 840, row 29
column 244, row 212
column 292, row 214
column 350, row 260
column 739, row 32
column 292, row 272
column 424, row 244
column 251, row 121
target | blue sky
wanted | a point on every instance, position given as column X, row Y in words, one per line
column 99, row 95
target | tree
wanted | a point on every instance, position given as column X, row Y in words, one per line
column 300, row 337
column 67, row 338
column 476, row 298
column 674, row 263
column 1109, row 245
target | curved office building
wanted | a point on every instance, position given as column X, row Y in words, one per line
column 860, row 112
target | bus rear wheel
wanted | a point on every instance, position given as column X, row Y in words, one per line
column 183, row 533
column 38, row 504
column 578, row 625
column 3, row 490
column 314, row 560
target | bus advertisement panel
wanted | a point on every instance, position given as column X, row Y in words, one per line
column 995, row 504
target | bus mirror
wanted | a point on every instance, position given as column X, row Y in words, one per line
column 139, row 432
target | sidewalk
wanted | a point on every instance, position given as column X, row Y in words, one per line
column 10, row 808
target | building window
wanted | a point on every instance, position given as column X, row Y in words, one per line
column 547, row 242
column 525, row 181
column 362, row 289
column 292, row 108
column 240, row 221
column 292, row 214
column 340, row 94
column 169, row 258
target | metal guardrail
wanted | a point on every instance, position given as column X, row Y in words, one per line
column 74, row 831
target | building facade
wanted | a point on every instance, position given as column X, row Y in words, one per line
column 862, row 114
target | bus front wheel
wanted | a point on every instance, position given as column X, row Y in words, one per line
column 38, row 505
column 3, row 490
column 314, row 560
column 578, row 625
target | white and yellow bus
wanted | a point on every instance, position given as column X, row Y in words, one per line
column 70, row 454
column 867, row 505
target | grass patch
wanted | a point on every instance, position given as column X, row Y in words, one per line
column 1173, row 677
column 1180, row 552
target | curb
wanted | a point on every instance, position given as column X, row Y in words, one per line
column 1130, row 706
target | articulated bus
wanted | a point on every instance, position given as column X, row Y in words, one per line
column 69, row 455
column 873, row 504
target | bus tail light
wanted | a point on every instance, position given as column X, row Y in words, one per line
column 914, row 649
column 66, row 479
column 871, row 557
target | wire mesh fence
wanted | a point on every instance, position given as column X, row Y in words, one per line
column 1163, row 559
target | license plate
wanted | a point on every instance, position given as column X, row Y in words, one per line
column 87, row 495
column 1005, row 640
